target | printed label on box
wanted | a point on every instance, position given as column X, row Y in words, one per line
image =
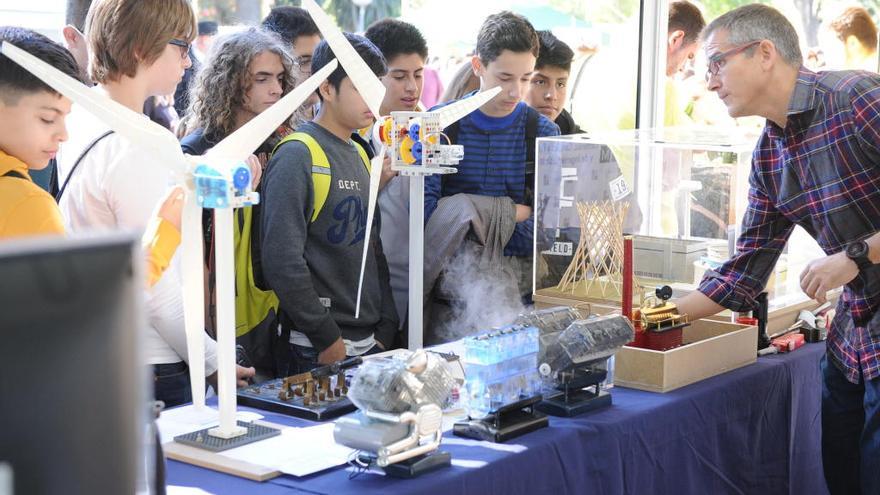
column 619, row 188
column 561, row 249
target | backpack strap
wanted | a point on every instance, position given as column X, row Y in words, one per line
column 75, row 165
column 532, row 117
column 321, row 175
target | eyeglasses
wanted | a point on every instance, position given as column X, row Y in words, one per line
column 304, row 62
column 182, row 44
column 717, row 61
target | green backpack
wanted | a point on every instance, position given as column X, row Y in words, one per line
column 254, row 305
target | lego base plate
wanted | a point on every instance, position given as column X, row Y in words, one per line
column 265, row 396
column 203, row 440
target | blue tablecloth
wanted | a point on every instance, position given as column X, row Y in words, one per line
column 755, row 430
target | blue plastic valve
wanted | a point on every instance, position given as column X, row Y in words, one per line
column 241, row 178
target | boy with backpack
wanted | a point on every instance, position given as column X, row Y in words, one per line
column 316, row 191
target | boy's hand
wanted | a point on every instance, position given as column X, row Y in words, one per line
column 171, row 209
column 256, row 170
column 243, row 375
column 387, row 172
column 523, row 213
column 336, row 352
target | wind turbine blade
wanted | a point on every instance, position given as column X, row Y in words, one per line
column 134, row 126
column 192, row 271
column 452, row 112
column 375, row 175
column 368, row 85
column 236, row 147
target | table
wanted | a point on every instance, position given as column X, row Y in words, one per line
column 753, row 430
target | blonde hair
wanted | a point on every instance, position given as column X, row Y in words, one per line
column 123, row 33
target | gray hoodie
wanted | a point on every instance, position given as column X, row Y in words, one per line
column 314, row 267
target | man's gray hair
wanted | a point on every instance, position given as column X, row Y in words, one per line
column 758, row 22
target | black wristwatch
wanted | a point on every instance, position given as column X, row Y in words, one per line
column 858, row 252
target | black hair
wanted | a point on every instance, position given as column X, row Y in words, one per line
column 290, row 23
column 554, row 52
column 686, row 17
column 364, row 47
column 506, row 31
column 394, row 37
column 15, row 79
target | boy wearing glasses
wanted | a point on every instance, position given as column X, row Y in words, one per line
column 297, row 29
column 815, row 165
column 137, row 49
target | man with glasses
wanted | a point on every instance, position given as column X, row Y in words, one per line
column 296, row 28
column 817, row 165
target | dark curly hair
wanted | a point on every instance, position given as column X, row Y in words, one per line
column 223, row 81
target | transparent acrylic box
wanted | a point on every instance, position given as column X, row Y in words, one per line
column 678, row 192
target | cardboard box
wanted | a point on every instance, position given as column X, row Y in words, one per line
column 666, row 259
column 710, row 348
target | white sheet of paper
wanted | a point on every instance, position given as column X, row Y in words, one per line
column 297, row 451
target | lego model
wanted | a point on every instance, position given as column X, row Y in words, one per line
column 503, row 384
column 318, row 395
column 398, row 425
column 217, row 180
column 415, row 142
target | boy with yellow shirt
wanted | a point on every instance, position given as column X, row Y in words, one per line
column 31, row 130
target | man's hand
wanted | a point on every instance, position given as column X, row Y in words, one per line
column 387, row 172
column 242, row 375
column 336, row 352
column 523, row 213
column 826, row 274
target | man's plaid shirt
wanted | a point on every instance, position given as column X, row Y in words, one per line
column 822, row 172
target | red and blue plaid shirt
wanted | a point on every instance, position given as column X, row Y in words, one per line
column 822, row 172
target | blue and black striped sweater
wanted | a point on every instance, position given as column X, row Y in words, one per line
column 493, row 165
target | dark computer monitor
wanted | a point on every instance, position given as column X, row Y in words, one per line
column 72, row 401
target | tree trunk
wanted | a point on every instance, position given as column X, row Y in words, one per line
column 75, row 13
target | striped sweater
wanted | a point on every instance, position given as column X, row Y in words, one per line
column 493, row 165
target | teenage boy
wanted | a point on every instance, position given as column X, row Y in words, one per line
column 136, row 49
column 405, row 52
column 32, row 127
column 548, row 90
column 31, row 131
column 313, row 235
column 495, row 135
column 297, row 29
column 246, row 73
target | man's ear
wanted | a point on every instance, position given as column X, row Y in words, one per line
column 72, row 36
column 676, row 40
column 326, row 90
column 477, row 66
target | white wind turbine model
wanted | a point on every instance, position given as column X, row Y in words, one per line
column 424, row 131
column 217, row 180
